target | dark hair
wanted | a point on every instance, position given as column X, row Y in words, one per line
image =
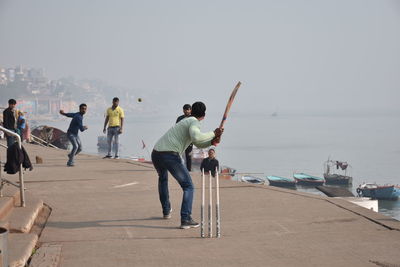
column 12, row 101
column 211, row 149
column 198, row 109
column 115, row 99
column 82, row 105
column 186, row 107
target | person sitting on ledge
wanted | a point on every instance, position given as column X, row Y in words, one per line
column 210, row 163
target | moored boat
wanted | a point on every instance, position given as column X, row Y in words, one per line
column 281, row 181
column 102, row 144
column 336, row 172
column 227, row 172
column 51, row 136
column 338, row 179
column 252, row 179
column 375, row 191
column 308, row 180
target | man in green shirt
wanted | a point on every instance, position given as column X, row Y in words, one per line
column 166, row 158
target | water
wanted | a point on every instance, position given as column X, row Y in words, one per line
column 282, row 145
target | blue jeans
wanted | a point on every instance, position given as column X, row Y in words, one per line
column 113, row 132
column 164, row 162
column 76, row 147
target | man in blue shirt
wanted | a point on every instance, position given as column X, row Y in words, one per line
column 72, row 133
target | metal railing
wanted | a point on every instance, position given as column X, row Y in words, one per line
column 40, row 142
column 21, row 172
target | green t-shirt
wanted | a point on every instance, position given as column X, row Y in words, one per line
column 182, row 134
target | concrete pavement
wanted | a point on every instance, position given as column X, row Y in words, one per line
column 106, row 213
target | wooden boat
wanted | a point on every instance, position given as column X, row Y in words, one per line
column 335, row 172
column 308, row 180
column 281, row 181
column 51, row 135
column 375, row 191
column 252, row 179
column 338, row 179
column 227, row 172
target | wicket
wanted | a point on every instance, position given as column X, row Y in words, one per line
column 210, row 205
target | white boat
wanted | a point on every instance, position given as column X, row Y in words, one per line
column 252, row 179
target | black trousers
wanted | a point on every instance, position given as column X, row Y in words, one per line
column 188, row 158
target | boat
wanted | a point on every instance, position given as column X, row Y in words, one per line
column 335, row 172
column 281, row 181
column 135, row 158
column 227, row 171
column 102, row 144
column 375, row 191
column 46, row 135
column 198, row 154
column 308, row 180
column 252, row 179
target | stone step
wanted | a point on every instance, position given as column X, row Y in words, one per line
column 10, row 191
column 20, row 248
column 22, row 218
column 6, row 205
column 10, row 195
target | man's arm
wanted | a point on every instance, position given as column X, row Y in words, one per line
column 121, row 118
column 199, row 139
column 105, row 124
column 70, row 115
column 80, row 125
column 122, row 124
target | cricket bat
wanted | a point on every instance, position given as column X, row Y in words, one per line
column 229, row 104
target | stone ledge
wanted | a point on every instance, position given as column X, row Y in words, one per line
column 20, row 247
column 22, row 219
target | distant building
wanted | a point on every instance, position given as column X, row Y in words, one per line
column 10, row 74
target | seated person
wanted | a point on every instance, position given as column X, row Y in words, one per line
column 210, row 163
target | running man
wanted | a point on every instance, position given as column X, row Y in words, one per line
column 73, row 130
column 166, row 158
column 115, row 120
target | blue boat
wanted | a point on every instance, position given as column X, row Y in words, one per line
column 308, row 180
column 374, row 191
column 281, row 181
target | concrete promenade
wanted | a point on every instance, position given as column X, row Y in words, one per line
column 107, row 213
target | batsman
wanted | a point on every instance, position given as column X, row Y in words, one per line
column 166, row 158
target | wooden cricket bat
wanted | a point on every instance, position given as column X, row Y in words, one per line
column 229, row 104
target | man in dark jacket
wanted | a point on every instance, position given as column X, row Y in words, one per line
column 187, row 110
column 210, row 163
column 73, row 130
column 9, row 120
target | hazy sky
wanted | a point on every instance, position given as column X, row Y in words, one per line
column 290, row 55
